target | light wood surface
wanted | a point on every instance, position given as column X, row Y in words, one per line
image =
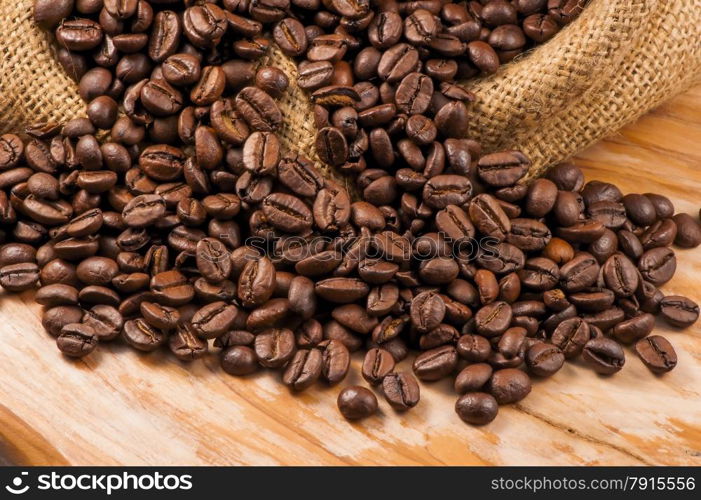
column 121, row 407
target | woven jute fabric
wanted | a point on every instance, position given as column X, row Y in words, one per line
column 617, row 60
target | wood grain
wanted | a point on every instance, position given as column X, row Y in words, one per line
column 121, row 407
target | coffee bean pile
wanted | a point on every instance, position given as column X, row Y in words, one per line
column 187, row 220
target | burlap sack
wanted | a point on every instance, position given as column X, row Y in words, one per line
column 616, row 61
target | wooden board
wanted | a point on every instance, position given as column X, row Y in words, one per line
column 121, row 407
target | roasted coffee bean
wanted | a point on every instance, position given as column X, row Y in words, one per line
column 679, row 311
column 579, row 273
column 532, row 235
column 356, row 403
column 656, row 353
column 185, row 344
column 620, row 275
column 502, row 169
column 256, row 283
column 435, row 364
column 603, row 355
column 335, row 360
column 274, row 347
column 493, row 319
column 287, row 213
column 489, row 217
column 688, row 233
column 214, row 319
column 19, row 277
column 658, row 265
column 660, row 234
column 427, row 311
column 303, row 370
column 401, row 391
column 509, row 385
column 474, row 348
column 544, row 360
column 239, row 360
column 258, row 109
column 160, row 316
column 473, row 378
column 77, row 340
column 570, row 336
column 142, row 336
column 171, row 288
column 377, row 364
column 56, row 295
column 477, row 408
column 633, row 329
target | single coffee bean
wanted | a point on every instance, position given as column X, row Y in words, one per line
column 604, row 355
column 142, row 336
column 656, row 353
column 19, row 277
column 570, row 336
column 688, row 231
column 239, row 360
column 634, row 329
column 509, row 385
column 303, row 370
column 274, row 347
column 679, row 311
column 544, row 360
column 77, row 340
column 620, row 275
column 377, row 364
column 477, row 408
column 435, row 364
column 473, row 378
column 185, row 344
column 401, row 391
column 356, row 403
column 658, row 265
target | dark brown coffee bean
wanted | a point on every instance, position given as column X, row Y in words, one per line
column 658, row 265
column 509, row 385
column 274, row 347
column 604, row 355
column 356, row 403
column 239, row 360
column 477, row 408
column 401, row 391
column 634, row 329
column 19, row 277
column 160, row 316
column 620, row 275
column 287, row 213
column 331, row 146
column 473, row 378
column 213, row 260
column 185, row 344
column 79, row 34
column 579, row 273
column 688, row 231
column 427, row 311
column 256, row 283
column 171, row 288
column 656, row 353
column 679, row 311
column 544, row 360
column 443, row 190
column 214, row 319
column 377, row 364
column 436, row 363
column 570, row 336
column 258, row 109
column 660, row 234
column 77, row 340
column 142, row 336
column 303, row 370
